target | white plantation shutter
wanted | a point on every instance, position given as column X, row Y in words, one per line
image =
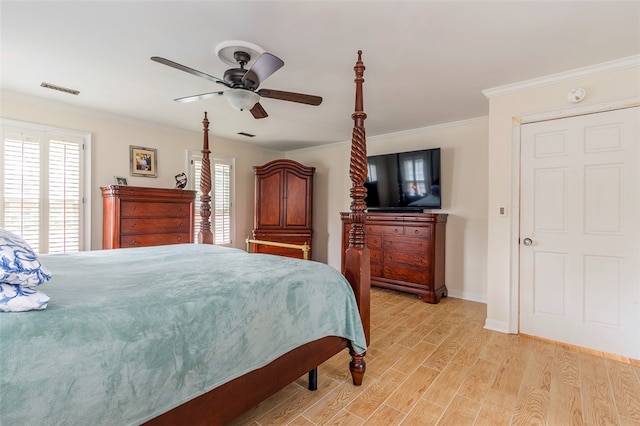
column 196, row 168
column 65, row 198
column 222, row 203
column 221, row 209
column 41, row 188
column 22, row 204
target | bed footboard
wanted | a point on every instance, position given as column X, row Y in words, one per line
column 304, row 247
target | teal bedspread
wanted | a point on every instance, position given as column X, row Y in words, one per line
column 131, row 333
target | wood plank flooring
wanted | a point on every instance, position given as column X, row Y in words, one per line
column 437, row 365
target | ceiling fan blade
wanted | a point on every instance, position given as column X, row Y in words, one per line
column 262, row 68
column 290, row 96
column 198, row 97
column 185, row 68
column 258, row 112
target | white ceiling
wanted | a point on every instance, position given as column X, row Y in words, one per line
column 427, row 61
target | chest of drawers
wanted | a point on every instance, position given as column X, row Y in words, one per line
column 407, row 251
column 138, row 217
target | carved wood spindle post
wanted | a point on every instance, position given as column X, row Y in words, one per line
column 357, row 258
column 205, row 236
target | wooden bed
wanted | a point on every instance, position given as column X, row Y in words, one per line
column 228, row 401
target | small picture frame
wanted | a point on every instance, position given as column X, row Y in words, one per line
column 120, row 180
column 144, row 161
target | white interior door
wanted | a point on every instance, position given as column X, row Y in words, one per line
column 580, row 231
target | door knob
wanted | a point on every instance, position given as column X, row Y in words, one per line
column 527, row 241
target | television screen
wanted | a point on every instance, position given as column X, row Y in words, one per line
column 404, row 181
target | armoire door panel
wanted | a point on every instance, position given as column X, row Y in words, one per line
column 270, row 196
column 295, row 208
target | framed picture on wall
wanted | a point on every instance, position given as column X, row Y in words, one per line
column 120, row 180
column 144, row 161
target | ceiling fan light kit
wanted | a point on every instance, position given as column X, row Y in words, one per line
column 243, row 83
column 241, row 99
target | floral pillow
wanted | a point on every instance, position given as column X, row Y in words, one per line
column 19, row 265
column 14, row 298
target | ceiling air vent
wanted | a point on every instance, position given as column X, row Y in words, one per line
column 249, row 135
column 59, row 88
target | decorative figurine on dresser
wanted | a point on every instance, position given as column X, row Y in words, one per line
column 283, row 206
column 134, row 216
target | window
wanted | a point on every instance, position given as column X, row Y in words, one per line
column 372, row 174
column 414, row 177
column 42, row 186
column 221, row 190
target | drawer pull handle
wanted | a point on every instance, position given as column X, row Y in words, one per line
column 133, row 225
column 131, row 192
column 395, row 230
column 134, row 242
column 417, row 232
column 133, row 208
column 179, row 238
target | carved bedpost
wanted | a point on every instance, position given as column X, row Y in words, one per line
column 357, row 260
column 205, row 236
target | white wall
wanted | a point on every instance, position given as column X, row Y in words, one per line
column 508, row 105
column 111, row 137
column 464, row 196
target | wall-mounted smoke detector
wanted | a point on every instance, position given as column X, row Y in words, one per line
column 59, row 88
column 576, row 95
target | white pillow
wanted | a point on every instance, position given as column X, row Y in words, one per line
column 14, row 298
column 19, row 264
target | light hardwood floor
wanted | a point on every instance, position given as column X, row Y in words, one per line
column 436, row 364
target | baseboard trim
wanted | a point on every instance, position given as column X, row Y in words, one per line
column 494, row 325
column 472, row 297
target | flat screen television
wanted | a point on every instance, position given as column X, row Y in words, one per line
column 404, row 181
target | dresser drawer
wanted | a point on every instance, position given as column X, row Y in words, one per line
column 375, row 256
column 418, row 231
column 154, row 209
column 162, row 225
column 153, row 240
column 384, row 230
column 376, row 270
column 374, row 241
column 406, row 244
column 406, row 274
column 407, row 258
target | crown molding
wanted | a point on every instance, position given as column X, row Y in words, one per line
column 616, row 65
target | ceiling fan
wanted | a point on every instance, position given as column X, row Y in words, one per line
column 242, row 84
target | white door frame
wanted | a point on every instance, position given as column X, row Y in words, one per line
column 516, row 140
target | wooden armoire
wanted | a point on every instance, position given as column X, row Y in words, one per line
column 283, row 206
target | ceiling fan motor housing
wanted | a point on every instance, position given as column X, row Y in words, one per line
column 242, row 58
column 233, row 77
